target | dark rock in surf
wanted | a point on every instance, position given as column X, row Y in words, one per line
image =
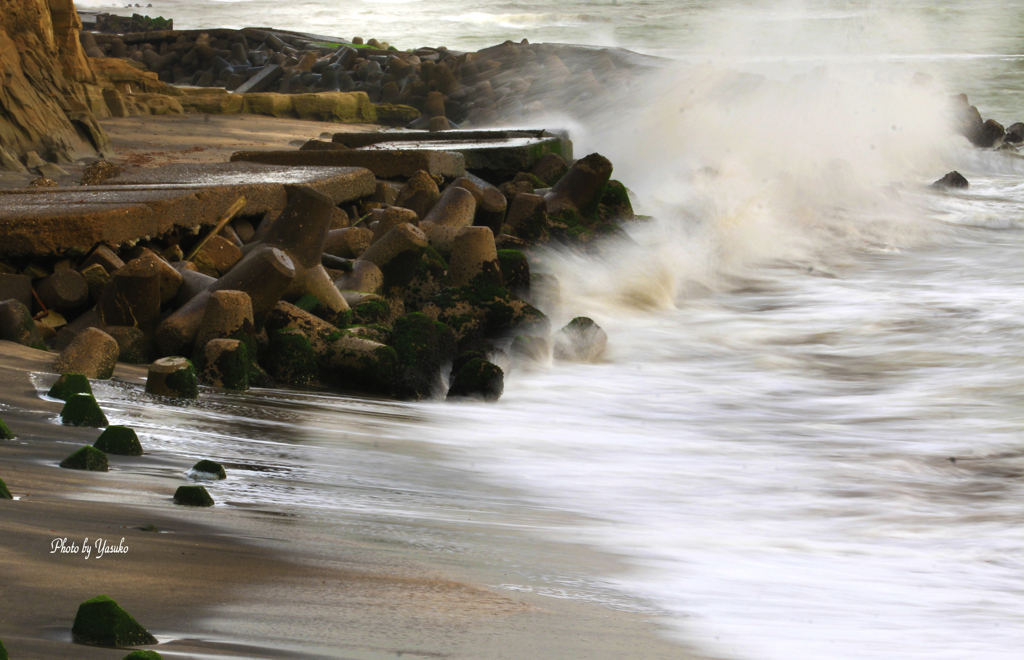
column 951, row 180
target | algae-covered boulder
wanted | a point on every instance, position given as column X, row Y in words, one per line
column 3, row 652
column 140, row 655
column 225, row 363
column 485, row 310
column 4, row 495
column 120, row 441
column 16, row 325
column 515, row 271
column 5, row 432
column 101, row 622
column 420, row 344
column 581, row 340
column 478, row 378
column 69, row 384
column 173, row 377
column 192, row 496
column 86, row 458
column 290, row 357
column 360, row 365
column 82, row 410
column 208, row 471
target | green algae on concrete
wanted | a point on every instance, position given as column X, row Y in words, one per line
column 174, row 377
column 101, row 622
column 5, row 432
column 192, row 496
column 82, row 410
column 120, row 441
column 69, row 384
column 86, row 458
column 515, row 271
column 209, row 470
column 5, row 494
column 3, row 652
column 419, row 343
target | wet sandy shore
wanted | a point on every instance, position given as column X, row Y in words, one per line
column 251, row 582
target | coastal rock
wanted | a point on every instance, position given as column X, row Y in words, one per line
column 549, row 168
column 132, row 297
column 264, row 274
column 120, row 441
column 141, row 655
column 1015, row 133
column 16, row 325
column 228, row 315
column 360, row 365
column 581, row 340
column 225, row 363
column 419, row 193
column 290, row 358
column 218, row 256
column 348, row 243
column 192, row 496
column 5, row 431
column 385, row 219
column 208, row 471
column 66, row 292
column 478, row 378
column 951, row 180
column 69, row 384
column 86, row 458
column 132, row 344
column 422, row 346
column 528, row 218
column 104, row 256
column 5, row 494
column 483, row 311
column 473, row 255
column 515, row 272
column 172, row 377
column 16, row 287
column 176, row 334
column 82, row 410
column 365, row 277
column 101, row 622
column 397, row 254
column 92, row 353
column 317, row 282
column 581, row 187
column 301, row 228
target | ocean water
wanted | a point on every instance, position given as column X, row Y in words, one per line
column 806, row 436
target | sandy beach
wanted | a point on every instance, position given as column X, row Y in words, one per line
column 245, row 582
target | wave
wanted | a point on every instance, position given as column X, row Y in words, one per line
column 527, row 19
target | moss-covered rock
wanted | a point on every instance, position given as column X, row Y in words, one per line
column 369, row 312
column 69, row 384
column 418, row 347
column 290, row 357
column 478, row 378
column 480, row 310
column 5, row 494
column 141, row 655
column 101, row 622
column 173, row 377
column 225, row 363
column 428, row 281
column 82, row 410
column 86, row 458
column 615, row 204
column 192, row 496
column 360, row 365
column 5, row 431
column 515, row 271
column 581, row 340
column 120, row 441
column 208, row 470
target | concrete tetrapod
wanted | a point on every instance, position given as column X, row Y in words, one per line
column 173, row 377
column 92, row 353
column 69, row 384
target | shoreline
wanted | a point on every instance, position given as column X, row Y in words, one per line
column 257, row 582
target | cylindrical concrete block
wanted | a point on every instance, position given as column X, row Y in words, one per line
column 473, row 256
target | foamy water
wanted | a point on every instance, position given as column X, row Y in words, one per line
column 806, row 434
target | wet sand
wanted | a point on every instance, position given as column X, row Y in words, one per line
column 246, row 582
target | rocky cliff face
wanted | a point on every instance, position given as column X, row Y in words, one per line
column 47, row 90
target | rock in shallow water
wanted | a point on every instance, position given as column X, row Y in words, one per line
column 120, row 441
column 952, row 180
column 192, row 496
column 82, row 410
column 101, row 622
column 86, row 458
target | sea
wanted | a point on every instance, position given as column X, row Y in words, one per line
column 806, row 439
